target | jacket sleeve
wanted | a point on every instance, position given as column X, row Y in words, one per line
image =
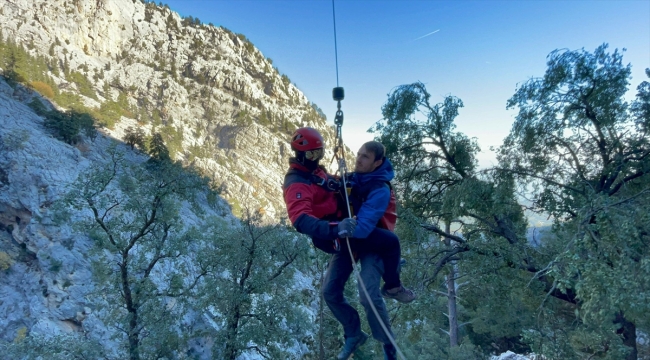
column 371, row 211
column 299, row 200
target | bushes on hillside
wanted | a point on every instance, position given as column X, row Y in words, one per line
column 135, row 137
column 66, row 126
column 43, row 89
column 69, row 125
column 83, row 84
column 110, row 111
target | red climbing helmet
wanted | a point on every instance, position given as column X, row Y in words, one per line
column 306, row 138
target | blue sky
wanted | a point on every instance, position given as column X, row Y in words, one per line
column 476, row 50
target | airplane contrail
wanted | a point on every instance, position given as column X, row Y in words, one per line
column 423, row 36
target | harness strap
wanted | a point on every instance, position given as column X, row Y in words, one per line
column 329, row 184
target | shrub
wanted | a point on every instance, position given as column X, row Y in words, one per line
column 148, row 15
column 109, row 114
column 243, row 118
column 38, row 107
column 21, row 334
column 135, row 137
column 198, row 151
column 173, row 138
column 67, row 126
column 285, row 80
column 55, row 265
column 68, row 99
column 5, row 261
column 84, row 85
column 43, row 89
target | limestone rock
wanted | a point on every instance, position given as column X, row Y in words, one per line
column 212, row 86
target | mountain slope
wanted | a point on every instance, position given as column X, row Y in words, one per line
column 217, row 101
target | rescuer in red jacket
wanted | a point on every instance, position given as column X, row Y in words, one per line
column 311, row 196
column 310, row 193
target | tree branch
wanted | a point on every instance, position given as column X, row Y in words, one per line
column 439, row 231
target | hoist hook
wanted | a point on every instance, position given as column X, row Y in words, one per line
column 338, row 94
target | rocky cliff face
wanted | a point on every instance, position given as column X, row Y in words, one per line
column 218, row 101
column 45, row 272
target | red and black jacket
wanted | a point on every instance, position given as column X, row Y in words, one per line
column 312, row 201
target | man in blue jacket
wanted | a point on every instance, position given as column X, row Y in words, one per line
column 379, row 255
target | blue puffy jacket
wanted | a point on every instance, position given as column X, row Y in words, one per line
column 371, row 209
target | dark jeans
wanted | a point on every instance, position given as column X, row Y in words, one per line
column 338, row 272
column 381, row 242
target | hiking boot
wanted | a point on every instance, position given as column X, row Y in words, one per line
column 390, row 353
column 402, row 294
column 351, row 345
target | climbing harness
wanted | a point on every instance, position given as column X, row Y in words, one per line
column 338, row 94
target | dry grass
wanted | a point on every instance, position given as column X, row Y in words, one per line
column 43, row 89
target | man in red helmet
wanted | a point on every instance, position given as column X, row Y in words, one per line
column 311, row 198
column 310, row 193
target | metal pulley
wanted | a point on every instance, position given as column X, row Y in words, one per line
column 338, row 93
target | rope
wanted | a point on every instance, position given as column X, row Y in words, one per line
column 342, row 170
column 336, row 52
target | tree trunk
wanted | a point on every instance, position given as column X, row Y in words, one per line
column 133, row 334
column 451, row 296
column 231, row 339
column 628, row 333
column 451, row 304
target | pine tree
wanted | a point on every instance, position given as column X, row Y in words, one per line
column 157, row 148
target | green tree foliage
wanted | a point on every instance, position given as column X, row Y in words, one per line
column 171, row 23
column 285, row 80
column 250, row 294
column 243, row 118
column 285, row 126
column 191, row 21
column 264, row 119
column 436, row 171
column 173, row 138
column 583, row 153
column 21, row 67
column 157, row 148
column 148, row 14
column 70, row 100
column 456, row 221
column 142, row 258
column 69, row 125
column 319, row 111
column 135, row 137
column 5, row 261
column 313, row 115
column 248, row 45
column 110, row 112
column 83, row 84
column 62, row 347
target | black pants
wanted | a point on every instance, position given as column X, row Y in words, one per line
column 338, row 273
column 381, row 242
